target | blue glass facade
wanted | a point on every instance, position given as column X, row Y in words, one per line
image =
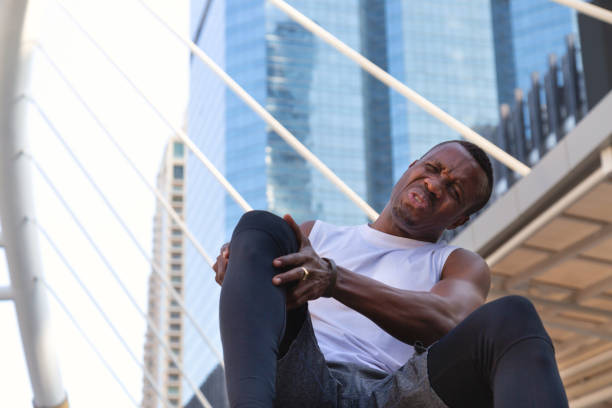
column 526, row 32
column 444, row 53
column 205, row 209
column 320, row 96
column 539, row 28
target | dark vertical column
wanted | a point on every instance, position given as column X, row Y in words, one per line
column 504, row 142
column 377, row 115
column 517, row 146
column 504, row 50
column 570, row 82
column 553, row 99
column 596, row 47
column 534, row 106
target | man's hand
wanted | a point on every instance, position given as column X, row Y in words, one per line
column 221, row 265
column 309, row 287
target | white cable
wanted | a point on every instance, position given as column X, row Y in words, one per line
column 268, row 118
column 156, row 268
column 591, row 10
column 150, row 322
column 160, row 198
column 88, row 340
column 178, row 131
column 410, row 94
column 100, row 310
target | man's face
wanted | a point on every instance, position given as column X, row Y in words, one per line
column 437, row 190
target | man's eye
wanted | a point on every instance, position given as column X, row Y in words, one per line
column 456, row 193
column 431, row 167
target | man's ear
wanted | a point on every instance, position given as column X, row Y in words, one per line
column 462, row 220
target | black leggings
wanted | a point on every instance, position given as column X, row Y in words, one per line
column 500, row 355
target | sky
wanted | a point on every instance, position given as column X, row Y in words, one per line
column 158, row 64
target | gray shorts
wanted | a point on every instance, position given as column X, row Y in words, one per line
column 305, row 379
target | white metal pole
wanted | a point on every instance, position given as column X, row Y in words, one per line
column 588, row 9
column 16, row 207
column 410, row 94
column 6, row 293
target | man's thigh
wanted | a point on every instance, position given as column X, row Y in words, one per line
column 303, row 378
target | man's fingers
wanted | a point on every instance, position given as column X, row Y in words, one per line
column 219, row 267
column 291, row 276
column 290, row 260
column 225, row 250
column 296, row 229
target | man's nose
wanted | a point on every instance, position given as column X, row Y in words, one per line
column 433, row 186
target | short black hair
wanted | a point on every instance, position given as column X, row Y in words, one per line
column 485, row 164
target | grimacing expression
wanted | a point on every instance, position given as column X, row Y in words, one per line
column 438, row 190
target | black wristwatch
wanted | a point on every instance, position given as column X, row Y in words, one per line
column 334, row 274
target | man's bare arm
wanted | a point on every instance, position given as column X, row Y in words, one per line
column 407, row 315
column 419, row 316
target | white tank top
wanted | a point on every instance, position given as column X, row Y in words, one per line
column 347, row 336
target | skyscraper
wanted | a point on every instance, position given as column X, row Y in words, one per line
column 164, row 311
column 445, row 52
column 527, row 31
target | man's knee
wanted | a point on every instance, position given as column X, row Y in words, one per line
column 512, row 317
column 272, row 225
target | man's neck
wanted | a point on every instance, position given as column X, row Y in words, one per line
column 384, row 223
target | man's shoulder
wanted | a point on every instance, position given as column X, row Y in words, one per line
column 462, row 261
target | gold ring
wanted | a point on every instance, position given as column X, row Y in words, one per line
column 306, row 273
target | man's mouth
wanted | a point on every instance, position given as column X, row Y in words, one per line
column 418, row 200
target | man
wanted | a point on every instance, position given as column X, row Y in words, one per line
column 326, row 316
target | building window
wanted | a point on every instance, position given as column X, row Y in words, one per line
column 176, row 255
column 177, row 199
column 175, row 326
column 177, row 279
column 179, row 150
column 176, row 231
column 173, row 377
column 175, row 267
column 177, row 171
column 176, row 244
column 175, row 339
column 175, row 315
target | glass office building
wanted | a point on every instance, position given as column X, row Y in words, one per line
column 319, row 95
column 445, row 53
column 526, row 33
